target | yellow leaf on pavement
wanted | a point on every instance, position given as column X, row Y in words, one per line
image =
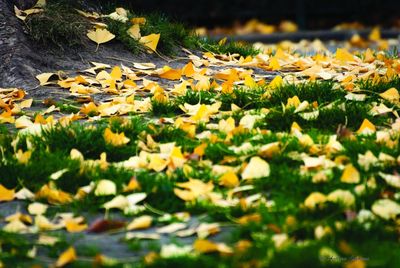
column 44, row 78
column 73, row 226
column 116, row 73
column 142, row 222
column 171, row 74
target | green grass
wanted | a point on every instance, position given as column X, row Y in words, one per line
column 214, row 46
column 58, row 25
column 283, row 191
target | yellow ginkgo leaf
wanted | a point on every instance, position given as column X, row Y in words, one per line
column 23, row 157
column 74, row 226
column 37, row 208
column 249, row 82
column 105, row 187
column 142, row 222
column 366, row 127
column 343, row 55
column 293, row 102
column 188, row 70
column 193, row 188
column 386, row 209
column 375, row 34
column 138, row 20
column 342, row 197
column 116, row 73
column 350, row 175
column 314, row 199
column 276, row 82
column 391, row 95
column 100, row 36
column 150, row 41
column 229, row 180
column 44, row 78
column 134, row 31
column 120, row 202
column 23, row 122
column 369, row 56
column 66, row 257
column 207, row 246
column 171, row 74
column 115, row 139
column 157, row 163
column 274, row 64
column 256, row 168
column 6, row 194
column 53, row 195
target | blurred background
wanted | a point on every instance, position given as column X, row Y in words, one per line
column 307, row 14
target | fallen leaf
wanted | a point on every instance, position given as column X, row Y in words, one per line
column 142, row 222
column 134, row 31
column 37, row 208
column 207, row 246
column 105, row 187
column 171, row 74
column 66, row 257
column 100, row 36
column 74, row 226
column 392, row 180
column 350, row 175
column 171, row 228
column 391, row 95
column 343, row 197
column 6, row 194
column 116, row 73
column 343, row 55
column 44, row 78
column 58, row 174
column 120, row 202
column 115, row 139
column 375, row 34
column 386, row 209
column 366, row 128
column 314, row 199
column 256, row 168
column 150, row 41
